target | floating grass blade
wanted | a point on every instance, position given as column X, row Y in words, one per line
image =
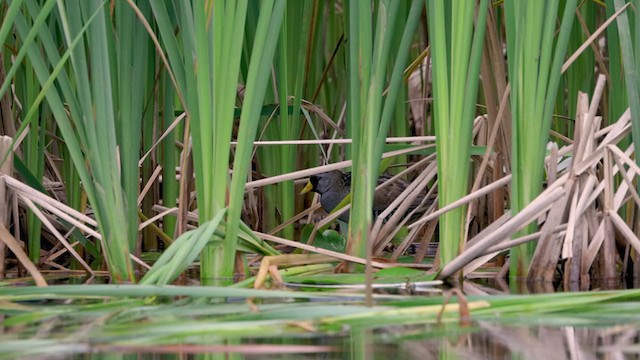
column 137, row 318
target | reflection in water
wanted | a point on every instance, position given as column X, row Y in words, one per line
column 485, row 341
column 552, row 326
column 491, row 341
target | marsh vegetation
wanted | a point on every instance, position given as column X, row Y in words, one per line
column 166, row 143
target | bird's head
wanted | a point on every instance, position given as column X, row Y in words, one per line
column 324, row 182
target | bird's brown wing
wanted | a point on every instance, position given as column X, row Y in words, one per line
column 385, row 196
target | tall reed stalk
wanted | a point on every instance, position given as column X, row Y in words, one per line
column 457, row 48
column 535, row 56
column 267, row 29
column 213, row 33
column 628, row 28
column 370, row 112
column 290, row 70
column 97, row 104
column 579, row 76
column 27, row 88
column 617, row 99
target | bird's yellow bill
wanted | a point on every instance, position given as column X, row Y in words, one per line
column 307, row 188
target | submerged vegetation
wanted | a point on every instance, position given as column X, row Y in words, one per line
column 108, row 319
column 167, row 142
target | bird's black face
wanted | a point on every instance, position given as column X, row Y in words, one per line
column 320, row 183
column 324, row 182
column 313, row 183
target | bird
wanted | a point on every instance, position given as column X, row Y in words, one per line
column 334, row 186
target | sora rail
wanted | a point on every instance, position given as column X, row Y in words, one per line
column 333, row 186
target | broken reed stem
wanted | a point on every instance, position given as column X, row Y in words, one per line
column 506, row 245
column 524, row 217
column 383, row 231
column 57, row 234
column 7, row 239
column 320, row 169
column 464, row 200
column 334, row 254
column 627, row 179
column 45, row 201
column 31, row 197
column 390, row 140
column 628, row 234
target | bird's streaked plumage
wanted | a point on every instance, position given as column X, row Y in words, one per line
column 333, row 186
